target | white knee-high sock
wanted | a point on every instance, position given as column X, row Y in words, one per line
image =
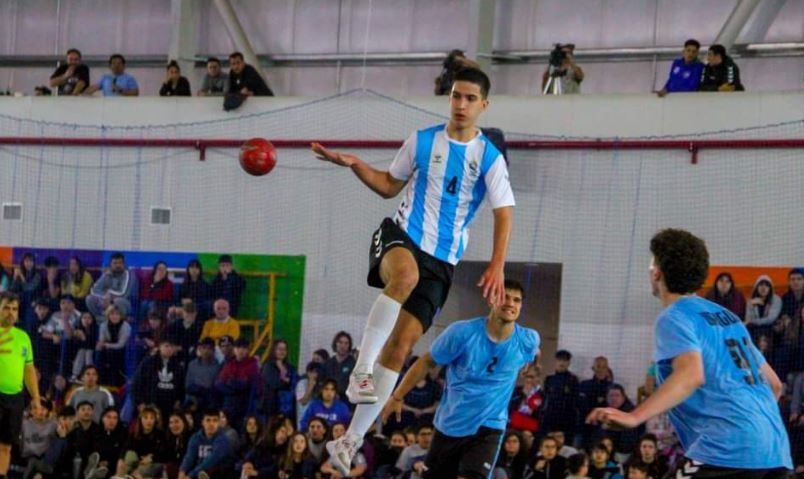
column 381, row 320
column 365, row 414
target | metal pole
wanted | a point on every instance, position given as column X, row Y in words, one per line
column 237, row 34
column 735, row 23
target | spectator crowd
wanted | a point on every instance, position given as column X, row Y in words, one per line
column 144, row 378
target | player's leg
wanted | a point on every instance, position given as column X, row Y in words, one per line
column 479, row 454
column 443, row 456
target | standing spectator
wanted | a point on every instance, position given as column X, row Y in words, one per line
column 157, row 295
column 578, row 466
column 114, row 334
column 317, row 435
column 238, row 383
column 115, row 286
column 111, row 441
column 209, row 452
column 793, row 299
column 685, row 73
column 763, row 308
column 320, row 356
column 548, row 464
column 412, row 458
column 201, row 374
column 216, row 82
column 648, row 454
column 625, row 440
column 560, row 394
column 456, row 60
column 720, row 73
column 159, row 380
column 178, row 438
column 71, row 77
column 100, row 397
column 222, row 324
column 51, row 281
column 27, row 283
column 228, row 284
column 195, row 288
column 601, row 466
column 77, row 281
column 185, row 331
column 327, row 407
column 118, row 82
column 724, row 293
column 569, row 73
column 245, row 79
column 513, row 457
column 340, row 365
column 83, row 342
column 175, row 84
column 145, row 446
column 298, row 463
column 592, row 394
column 308, row 387
column 279, row 379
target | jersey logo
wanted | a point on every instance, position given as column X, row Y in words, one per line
column 24, row 351
column 688, row 470
column 492, row 365
column 473, row 165
column 436, row 158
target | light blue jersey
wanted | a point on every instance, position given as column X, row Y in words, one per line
column 481, row 375
column 732, row 420
column 447, row 181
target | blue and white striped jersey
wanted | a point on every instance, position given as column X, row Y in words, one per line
column 447, row 181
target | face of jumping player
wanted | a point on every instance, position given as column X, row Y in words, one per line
column 466, row 104
column 511, row 307
column 211, row 425
column 9, row 312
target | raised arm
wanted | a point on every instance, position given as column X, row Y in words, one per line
column 380, row 182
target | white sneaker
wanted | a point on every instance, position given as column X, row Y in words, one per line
column 341, row 451
column 361, row 389
column 92, row 464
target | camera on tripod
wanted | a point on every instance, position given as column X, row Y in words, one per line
column 557, row 56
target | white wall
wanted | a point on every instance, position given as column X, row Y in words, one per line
column 592, row 211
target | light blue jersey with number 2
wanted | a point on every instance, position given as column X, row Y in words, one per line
column 733, row 420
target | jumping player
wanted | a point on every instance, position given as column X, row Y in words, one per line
column 446, row 170
column 483, row 357
column 719, row 390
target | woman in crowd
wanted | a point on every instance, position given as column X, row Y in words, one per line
column 763, row 308
column 83, row 342
column 513, row 458
column 625, row 440
column 156, row 294
column 297, row 462
column 27, row 283
column 146, row 446
column 252, row 434
column 175, row 84
column 724, row 293
column 114, row 334
column 648, row 453
column 113, row 440
column 78, row 282
column 178, row 436
column 196, row 288
column 279, row 379
column 262, row 461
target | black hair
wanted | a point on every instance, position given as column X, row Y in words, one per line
column 173, row 63
column 649, row 437
column 81, row 269
column 117, row 255
column 85, row 403
column 32, row 257
column 153, row 270
column 8, row 297
column 714, row 293
column 718, row 49
column 693, row 42
column 236, row 55
column 639, row 466
column 769, row 297
column 322, row 352
column 51, row 262
column 211, row 412
column 563, row 354
column 682, row 258
column 576, row 462
column 425, row 425
column 213, row 60
column 74, row 50
column 87, row 368
column 476, row 76
column 515, row 285
column 197, row 264
column 342, row 334
column 329, row 381
column 122, row 59
column 66, row 411
column 798, row 271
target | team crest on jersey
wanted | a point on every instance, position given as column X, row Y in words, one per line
column 24, row 351
column 436, row 158
column 473, row 165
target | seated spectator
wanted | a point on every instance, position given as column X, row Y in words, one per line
column 297, row 463
column 252, row 434
column 411, row 460
column 156, row 294
column 648, row 455
column 327, row 407
column 547, row 464
column 100, row 397
column 526, row 405
column 195, row 288
column 239, row 385
column 763, row 308
column 46, row 345
column 228, row 284
column 262, row 461
column 685, row 72
column 222, row 324
column 601, row 466
column 71, row 77
column 638, row 470
column 339, row 366
column 27, row 283
column 175, row 84
column 184, row 331
column 159, row 381
column 145, row 447
column 560, row 394
column 82, row 438
column 279, row 379
column 512, row 459
column 320, row 356
column 592, row 394
column 245, row 79
column 82, row 343
column 317, row 436
column 725, row 294
column 216, row 82
column 793, row 299
column 359, row 464
column 308, row 387
column 51, row 281
column 38, row 428
column 209, row 452
column 178, row 439
column 115, row 286
column 229, row 431
column 569, row 73
column 578, row 466
column 77, row 281
column 64, row 321
column 456, row 60
column 114, row 334
column 564, row 450
column 118, row 82
column 111, row 442
column 151, row 333
column 57, row 461
column 201, row 375
column 625, row 440
column 419, row 405
column 720, row 73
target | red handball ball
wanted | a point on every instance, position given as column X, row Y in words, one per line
column 257, row 157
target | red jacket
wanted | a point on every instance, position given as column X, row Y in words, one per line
column 162, row 291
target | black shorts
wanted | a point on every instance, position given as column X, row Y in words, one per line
column 687, row 468
column 435, row 276
column 11, row 409
column 472, row 457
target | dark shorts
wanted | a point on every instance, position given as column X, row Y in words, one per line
column 11, row 409
column 689, row 469
column 435, row 276
column 472, row 457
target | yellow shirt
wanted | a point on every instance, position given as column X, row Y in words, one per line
column 216, row 329
column 12, row 362
column 78, row 290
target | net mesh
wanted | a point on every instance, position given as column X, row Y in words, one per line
column 592, row 211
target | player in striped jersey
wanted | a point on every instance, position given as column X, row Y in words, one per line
column 446, row 171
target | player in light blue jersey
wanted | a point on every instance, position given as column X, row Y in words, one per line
column 483, row 357
column 720, row 393
column 446, row 172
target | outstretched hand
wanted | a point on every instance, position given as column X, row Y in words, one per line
column 393, row 406
column 612, row 418
column 325, row 154
column 493, row 284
